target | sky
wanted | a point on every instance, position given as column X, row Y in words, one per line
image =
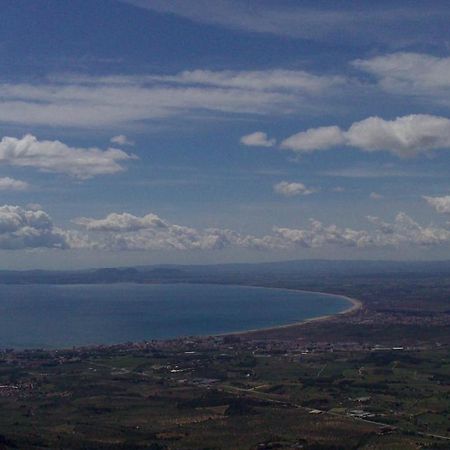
column 207, row 131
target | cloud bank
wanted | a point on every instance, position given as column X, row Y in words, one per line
column 125, row 231
column 33, row 229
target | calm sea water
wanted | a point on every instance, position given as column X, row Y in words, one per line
column 61, row 316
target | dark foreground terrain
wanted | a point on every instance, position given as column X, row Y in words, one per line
column 378, row 378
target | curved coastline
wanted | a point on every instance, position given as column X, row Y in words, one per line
column 356, row 305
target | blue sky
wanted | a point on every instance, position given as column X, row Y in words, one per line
column 194, row 131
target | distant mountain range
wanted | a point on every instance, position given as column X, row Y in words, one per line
column 225, row 272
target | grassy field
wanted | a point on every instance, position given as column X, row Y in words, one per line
column 173, row 399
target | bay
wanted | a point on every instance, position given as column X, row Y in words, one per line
column 62, row 316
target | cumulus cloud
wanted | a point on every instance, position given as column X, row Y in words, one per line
column 410, row 74
column 292, row 189
column 10, row 184
column 405, row 136
column 402, row 231
column 121, row 139
column 87, row 101
column 440, row 204
column 318, row 235
column 26, row 229
column 321, row 138
column 122, row 222
column 22, row 228
column 257, row 139
column 126, row 232
column 55, row 156
column 159, row 234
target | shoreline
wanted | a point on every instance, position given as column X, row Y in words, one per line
column 356, row 305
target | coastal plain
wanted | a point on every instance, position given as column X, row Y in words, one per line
column 377, row 377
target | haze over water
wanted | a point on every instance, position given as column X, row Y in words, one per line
column 61, row 316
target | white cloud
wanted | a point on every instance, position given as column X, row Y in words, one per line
column 313, row 139
column 374, row 171
column 32, row 229
column 257, row 139
column 404, row 136
column 319, row 235
column 10, row 184
column 123, row 231
column 440, row 204
column 126, row 232
column 55, row 156
column 290, row 189
column 404, row 230
column 258, row 80
column 121, row 139
column 124, row 222
column 410, row 74
column 375, row 196
column 22, row 229
column 377, row 23
column 89, row 102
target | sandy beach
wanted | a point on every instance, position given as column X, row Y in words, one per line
column 355, row 306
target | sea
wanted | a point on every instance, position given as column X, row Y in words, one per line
column 64, row 316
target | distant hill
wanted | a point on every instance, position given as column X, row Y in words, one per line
column 316, row 266
column 224, row 272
